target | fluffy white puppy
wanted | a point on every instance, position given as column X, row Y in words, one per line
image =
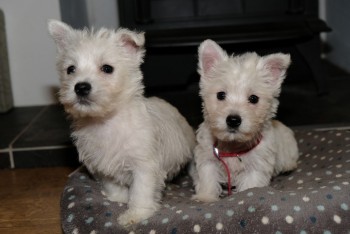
column 238, row 143
column 129, row 142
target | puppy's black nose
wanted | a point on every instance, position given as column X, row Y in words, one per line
column 233, row 121
column 82, row 89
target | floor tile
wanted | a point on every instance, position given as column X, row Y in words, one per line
column 46, row 158
column 4, row 160
column 14, row 121
column 51, row 128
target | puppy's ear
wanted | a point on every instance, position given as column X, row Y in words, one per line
column 60, row 32
column 209, row 53
column 133, row 42
column 275, row 67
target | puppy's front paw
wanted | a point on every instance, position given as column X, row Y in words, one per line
column 133, row 216
column 115, row 192
column 205, row 198
column 116, row 197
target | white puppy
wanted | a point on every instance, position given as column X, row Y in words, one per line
column 238, row 143
column 131, row 143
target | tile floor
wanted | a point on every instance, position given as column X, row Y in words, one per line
column 35, row 137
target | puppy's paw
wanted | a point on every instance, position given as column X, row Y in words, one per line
column 290, row 167
column 116, row 197
column 115, row 192
column 205, row 198
column 133, row 216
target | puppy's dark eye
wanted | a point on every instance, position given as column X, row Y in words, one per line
column 70, row 70
column 253, row 99
column 221, row 96
column 107, row 69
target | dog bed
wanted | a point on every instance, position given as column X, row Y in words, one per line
column 315, row 198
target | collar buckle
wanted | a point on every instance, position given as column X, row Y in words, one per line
column 216, row 152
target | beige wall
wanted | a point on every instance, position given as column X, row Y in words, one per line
column 31, row 50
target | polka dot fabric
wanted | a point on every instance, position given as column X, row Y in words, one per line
column 315, row 198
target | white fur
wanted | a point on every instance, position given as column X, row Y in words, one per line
column 131, row 143
column 239, row 77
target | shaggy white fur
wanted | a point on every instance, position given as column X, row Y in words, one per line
column 130, row 143
column 239, row 96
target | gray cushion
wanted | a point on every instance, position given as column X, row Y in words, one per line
column 313, row 198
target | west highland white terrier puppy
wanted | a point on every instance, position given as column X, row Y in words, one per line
column 238, row 143
column 130, row 143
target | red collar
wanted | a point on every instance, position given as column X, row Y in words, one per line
column 221, row 154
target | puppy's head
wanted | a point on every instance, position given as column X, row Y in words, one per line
column 99, row 70
column 239, row 93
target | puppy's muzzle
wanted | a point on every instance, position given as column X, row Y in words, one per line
column 233, row 121
column 82, row 89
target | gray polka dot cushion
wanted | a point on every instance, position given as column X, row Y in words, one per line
column 313, row 199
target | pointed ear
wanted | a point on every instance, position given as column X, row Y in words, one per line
column 133, row 42
column 276, row 66
column 209, row 53
column 60, row 32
